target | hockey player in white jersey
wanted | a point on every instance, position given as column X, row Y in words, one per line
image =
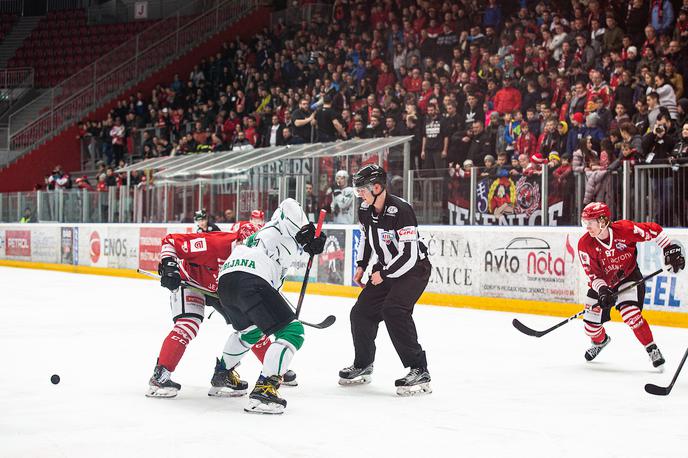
column 343, row 199
column 248, row 288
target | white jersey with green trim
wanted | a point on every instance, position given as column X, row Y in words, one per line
column 271, row 251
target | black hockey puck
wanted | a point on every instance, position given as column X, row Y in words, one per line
column 55, row 379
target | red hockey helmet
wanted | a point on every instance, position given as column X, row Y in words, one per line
column 596, row 210
column 258, row 218
column 246, row 231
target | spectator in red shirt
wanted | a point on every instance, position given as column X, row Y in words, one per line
column 82, row 183
column 384, row 79
column 526, row 142
column 508, row 98
column 414, row 82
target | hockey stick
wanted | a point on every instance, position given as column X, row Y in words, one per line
column 304, row 285
column 531, row 332
column 664, row 390
column 326, row 323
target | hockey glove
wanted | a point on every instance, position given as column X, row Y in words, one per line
column 315, row 246
column 305, row 235
column 606, row 297
column 168, row 269
column 674, row 258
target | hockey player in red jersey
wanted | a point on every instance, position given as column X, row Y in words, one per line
column 608, row 255
column 196, row 259
column 257, row 218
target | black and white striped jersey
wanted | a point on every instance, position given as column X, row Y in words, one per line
column 393, row 235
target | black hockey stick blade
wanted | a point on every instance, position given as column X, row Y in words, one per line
column 658, row 390
column 532, row 332
column 665, row 390
column 526, row 330
column 326, row 323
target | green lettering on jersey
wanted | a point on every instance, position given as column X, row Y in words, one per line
column 239, row 263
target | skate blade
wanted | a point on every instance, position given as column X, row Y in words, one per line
column 660, row 368
column 155, row 392
column 360, row 380
column 291, row 383
column 258, row 407
column 414, row 390
column 225, row 392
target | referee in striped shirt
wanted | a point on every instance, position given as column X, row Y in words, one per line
column 390, row 230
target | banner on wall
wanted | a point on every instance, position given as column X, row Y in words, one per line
column 150, row 242
column 45, row 244
column 666, row 291
column 18, row 243
column 297, row 270
column 506, row 201
column 453, row 259
column 69, row 252
column 541, row 267
column 141, row 10
column 121, row 247
column 331, row 261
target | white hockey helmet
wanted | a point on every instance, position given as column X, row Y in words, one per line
column 341, row 178
column 290, row 216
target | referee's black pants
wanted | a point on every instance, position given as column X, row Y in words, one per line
column 391, row 301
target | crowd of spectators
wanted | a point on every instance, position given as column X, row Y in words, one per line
column 583, row 85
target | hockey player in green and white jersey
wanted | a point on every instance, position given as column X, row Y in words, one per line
column 248, row 287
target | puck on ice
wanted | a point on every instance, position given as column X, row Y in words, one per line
column 55, row 379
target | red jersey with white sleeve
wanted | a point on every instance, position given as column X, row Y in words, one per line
column 610, row 262
column 202, row 254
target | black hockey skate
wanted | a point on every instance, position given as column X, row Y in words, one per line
column 289, row 378
column 417, row 381
column 592, row 352
column 226, row 382
column 265, row 398
column 353, row 375
column 655, row 356
column 161, row 385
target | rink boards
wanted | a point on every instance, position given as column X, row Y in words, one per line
column 519, row 269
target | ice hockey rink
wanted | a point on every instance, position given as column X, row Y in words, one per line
column 497, row 393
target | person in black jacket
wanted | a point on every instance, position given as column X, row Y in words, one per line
column 434, row 143
column 203, row 224
column 399, row 277
column 481, row 143
column 658, row 147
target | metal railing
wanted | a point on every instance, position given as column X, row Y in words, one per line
column 126, row 66
column 477, row 196
column 296, row 15
column 11, row 6
column 18, row 6
column 11, row 78
column 661, row 194
column 14, row 83
column 481, row 197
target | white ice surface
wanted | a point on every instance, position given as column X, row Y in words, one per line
column 497, row 393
